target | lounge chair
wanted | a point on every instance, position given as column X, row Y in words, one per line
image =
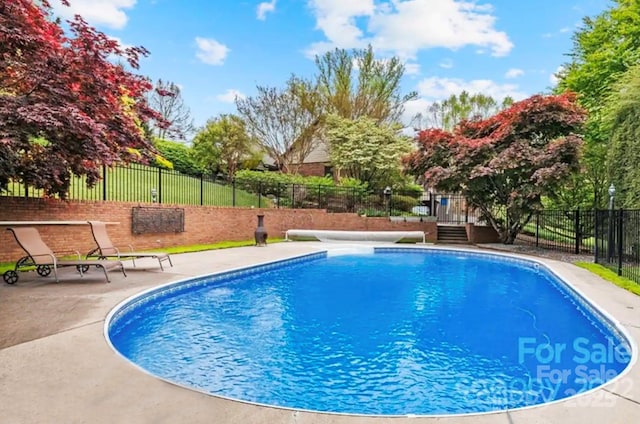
column 106, row 249
column 45, row 260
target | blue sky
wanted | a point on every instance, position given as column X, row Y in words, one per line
column 215, row 50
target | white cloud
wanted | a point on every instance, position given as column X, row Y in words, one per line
column 561, row 31
column 122, row 45
column 211, row 51
column 337, row 20
column 264, row 8
column 230, row 95
column 446, row 64
column 405, row 27
column 412, row 108
column 440, row 88
column 411, row 68
column 553, row 78
column 514, row 73
column 109, row 13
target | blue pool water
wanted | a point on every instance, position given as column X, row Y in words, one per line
column 401, row 331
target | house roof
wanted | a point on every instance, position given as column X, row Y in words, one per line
column 319, row 154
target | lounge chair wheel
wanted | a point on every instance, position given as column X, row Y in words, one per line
column 82, row 268
column 43, row 270
column 10, row 277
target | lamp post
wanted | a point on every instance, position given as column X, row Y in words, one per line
column 387, row 199
column 432, row 203
column 612, row 193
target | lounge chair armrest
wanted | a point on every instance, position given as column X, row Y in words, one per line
column 131, row 249
column 46, row 255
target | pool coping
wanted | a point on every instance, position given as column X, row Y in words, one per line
column 107, row 401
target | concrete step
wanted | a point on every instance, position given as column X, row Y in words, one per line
column 452, row 234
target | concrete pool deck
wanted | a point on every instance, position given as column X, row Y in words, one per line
column 56, row 367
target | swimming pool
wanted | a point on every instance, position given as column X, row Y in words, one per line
column 398, row 332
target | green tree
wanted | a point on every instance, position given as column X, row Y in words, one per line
column 356, row 84
column 365, row 150
column 603, row 49
column 179, row 155
column 621, row 118
column 224, row 145
column 504, row 165
column 65, row 108
column 448, row 113
column 284, row 121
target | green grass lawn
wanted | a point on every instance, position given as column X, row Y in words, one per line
column 611, row 276
column 556, row 235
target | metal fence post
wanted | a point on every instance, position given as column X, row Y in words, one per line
column 233, row 192
column 355, row 201
column 201, row 189
column 537, row 228
column 620, row 241
column 104, row 182
column 278, row 196
column 610, row 237
column 159, row 185
column 577, row 230
column 596, row 235
column 293, row 196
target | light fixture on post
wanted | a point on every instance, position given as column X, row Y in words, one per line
column 154, row 195
column 612, row 194
column 387, row 199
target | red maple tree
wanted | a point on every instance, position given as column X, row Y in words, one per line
column 66, row 108
column 506, row 163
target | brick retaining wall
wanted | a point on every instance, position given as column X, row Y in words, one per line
column 202, row 224
column 481, row 234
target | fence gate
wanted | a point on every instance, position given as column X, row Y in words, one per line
column 450, row 208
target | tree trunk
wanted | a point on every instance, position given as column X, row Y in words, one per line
column 515, row 225
column 509, row 235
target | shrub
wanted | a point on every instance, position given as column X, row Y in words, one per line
column 372, row 212
column 403, row 203
column 179, row 155
column 412, row 190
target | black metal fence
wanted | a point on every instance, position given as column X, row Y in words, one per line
column 612, row 236
column 145, row 184
column 563, row 230
column 617, row 247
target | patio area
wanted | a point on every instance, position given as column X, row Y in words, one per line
column 58, row 368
